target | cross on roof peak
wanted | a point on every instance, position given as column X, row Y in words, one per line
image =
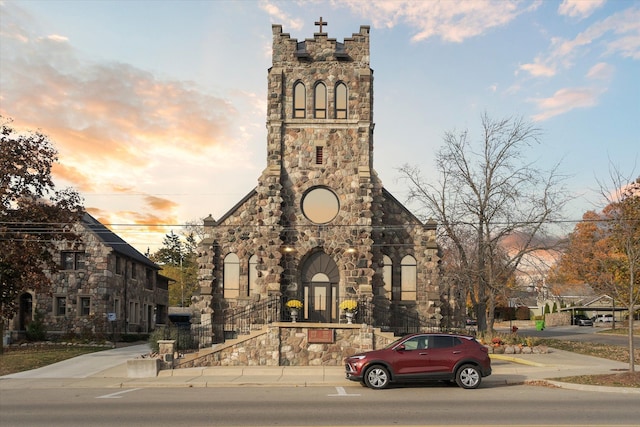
column 320, row 23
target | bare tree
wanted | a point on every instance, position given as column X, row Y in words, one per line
column 488, row 191
column 621, row 228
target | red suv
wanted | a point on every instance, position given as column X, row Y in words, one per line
column 422, row 357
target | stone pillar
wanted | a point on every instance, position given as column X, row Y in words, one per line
column 167, row 352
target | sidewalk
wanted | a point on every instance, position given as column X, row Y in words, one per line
column 108, row 370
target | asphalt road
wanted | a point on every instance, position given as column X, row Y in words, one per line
column 581, row 333
column 317, row 406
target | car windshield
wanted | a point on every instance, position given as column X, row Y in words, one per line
column 393, row 344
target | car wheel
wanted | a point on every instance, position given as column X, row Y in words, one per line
column 468, row 377
column 377, row 377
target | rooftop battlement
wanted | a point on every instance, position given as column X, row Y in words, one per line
column 320, row 48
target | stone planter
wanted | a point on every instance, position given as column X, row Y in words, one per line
column 349, row 315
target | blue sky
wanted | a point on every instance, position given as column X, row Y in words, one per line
column 158, row 108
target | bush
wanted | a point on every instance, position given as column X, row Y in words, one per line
column 134, row 337
column 36, row 330
column 182, row 337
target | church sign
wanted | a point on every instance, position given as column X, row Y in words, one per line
column 321, row 336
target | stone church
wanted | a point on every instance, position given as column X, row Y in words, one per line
column 319, row 227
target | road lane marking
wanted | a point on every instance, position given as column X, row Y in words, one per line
column 118, row 394
column 342, row 392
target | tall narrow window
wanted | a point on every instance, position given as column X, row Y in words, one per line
column 320, row 102
column 341, row 101
column 253, row 275
column 408, row 279
column 319, row 155
column 231, row 279
column 387, row 270
column 61, row 306
column 299, row 101
column 85, row 306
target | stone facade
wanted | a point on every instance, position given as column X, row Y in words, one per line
column 100, row 275
column 319, row 227
column 286, row 345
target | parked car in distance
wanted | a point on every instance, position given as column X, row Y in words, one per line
column 582, row 320
column 602, row 318
column 422, row 357
column 471, row 322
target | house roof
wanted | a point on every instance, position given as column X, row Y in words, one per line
column 115, row 242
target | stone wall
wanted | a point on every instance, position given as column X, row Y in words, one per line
column 282, row 344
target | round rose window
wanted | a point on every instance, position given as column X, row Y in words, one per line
column 320, row 205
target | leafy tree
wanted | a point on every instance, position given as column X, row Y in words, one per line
column 604, row 249
column 33, row 216
column 486, row 193
column 177, row 256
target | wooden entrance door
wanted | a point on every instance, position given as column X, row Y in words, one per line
column 320, row 287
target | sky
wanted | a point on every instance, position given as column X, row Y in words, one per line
column 158, row 108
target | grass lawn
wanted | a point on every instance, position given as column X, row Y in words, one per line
column 18, row 359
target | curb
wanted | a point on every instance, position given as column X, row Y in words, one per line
column 517, row 360
column 584, row 387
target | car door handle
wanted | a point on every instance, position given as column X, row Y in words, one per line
column 422, row 354
column 456, row 352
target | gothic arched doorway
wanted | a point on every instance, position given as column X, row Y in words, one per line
column 320, row 278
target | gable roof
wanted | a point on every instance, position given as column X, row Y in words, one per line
column 115, row 242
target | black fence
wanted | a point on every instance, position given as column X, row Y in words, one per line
column 187, row 337
column 396, row 318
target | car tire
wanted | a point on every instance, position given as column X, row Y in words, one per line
column 468, row 377
column 377, row 377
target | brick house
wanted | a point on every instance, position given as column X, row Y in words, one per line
column 319, row 227
column 104, row 286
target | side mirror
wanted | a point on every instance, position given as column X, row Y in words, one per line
column 401, row 347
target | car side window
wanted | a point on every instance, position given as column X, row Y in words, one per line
column 440, row 341
column 412, row 343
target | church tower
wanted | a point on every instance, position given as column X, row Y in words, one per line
column 320, row 227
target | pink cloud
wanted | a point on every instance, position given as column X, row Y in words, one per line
column 565, row 100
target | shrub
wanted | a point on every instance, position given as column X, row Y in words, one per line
column 182, row 337
column 36, row 330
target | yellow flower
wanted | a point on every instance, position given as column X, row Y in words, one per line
column 349, row 305
column 294, row 303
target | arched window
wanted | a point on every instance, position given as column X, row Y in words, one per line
column 320, row 101
column 253, row 275
column 341, row 101
column 299, row 101
column 387, row 270
column 408, row 278
column 231, row 276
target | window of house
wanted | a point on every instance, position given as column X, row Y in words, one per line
column 85, row 306
column 319, row 155
column 148, row 278
column 134, row 312
column 118, row 265
column 231, row 276
column 72, row 260
column 253, row 275
column 60, row 308
column 320, row 101
column 133, row 271
column 299, row 101
column 408, row 278
column 341, row 101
